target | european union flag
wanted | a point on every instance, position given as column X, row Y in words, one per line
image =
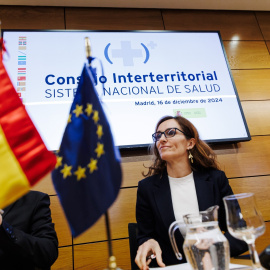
column 87, row 176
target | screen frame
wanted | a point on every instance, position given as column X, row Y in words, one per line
column 143, row 146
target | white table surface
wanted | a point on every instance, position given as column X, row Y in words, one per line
column 186, row 266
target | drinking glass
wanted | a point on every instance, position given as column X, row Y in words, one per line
column 245, row 222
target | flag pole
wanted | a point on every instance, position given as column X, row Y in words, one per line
column 108, row 230
column 112, row 260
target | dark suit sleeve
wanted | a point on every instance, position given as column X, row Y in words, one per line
column 39, row 245
column 144, row 215
column 237, row 247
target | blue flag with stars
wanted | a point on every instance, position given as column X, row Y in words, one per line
column 87, row 176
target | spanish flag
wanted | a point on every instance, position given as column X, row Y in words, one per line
column 24, row 158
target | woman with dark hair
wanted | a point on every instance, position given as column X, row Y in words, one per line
column 184, row 178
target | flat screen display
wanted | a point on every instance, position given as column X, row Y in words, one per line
column 141, row 76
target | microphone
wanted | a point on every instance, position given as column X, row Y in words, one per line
column 265, row 258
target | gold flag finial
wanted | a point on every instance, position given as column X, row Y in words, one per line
column 88, row 50
column 112, row 263
column 88, row 47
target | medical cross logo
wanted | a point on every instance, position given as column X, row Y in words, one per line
column 128, row 53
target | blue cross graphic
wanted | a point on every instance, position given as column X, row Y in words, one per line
column 152, row 45
column 127, row 53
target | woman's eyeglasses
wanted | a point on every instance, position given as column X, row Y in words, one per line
column 168, row 133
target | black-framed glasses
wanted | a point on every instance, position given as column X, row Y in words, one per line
column 168, row 133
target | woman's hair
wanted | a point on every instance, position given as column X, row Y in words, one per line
column 203, row 155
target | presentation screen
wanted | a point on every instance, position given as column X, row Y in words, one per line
column 141, row 76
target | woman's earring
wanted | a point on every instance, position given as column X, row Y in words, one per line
column 190, row 156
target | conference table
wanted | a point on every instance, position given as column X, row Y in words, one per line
column 235, row 264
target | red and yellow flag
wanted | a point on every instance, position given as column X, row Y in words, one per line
column 24, row 158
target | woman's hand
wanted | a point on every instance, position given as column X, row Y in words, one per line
column 148, row 248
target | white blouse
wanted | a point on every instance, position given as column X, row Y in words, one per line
column 184, row 198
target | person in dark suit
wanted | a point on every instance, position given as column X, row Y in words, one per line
column 27, row 236
column 183, row 179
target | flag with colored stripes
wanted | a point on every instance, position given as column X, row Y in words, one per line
column 21, row 71
column 21, row 83
column 24, row 158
